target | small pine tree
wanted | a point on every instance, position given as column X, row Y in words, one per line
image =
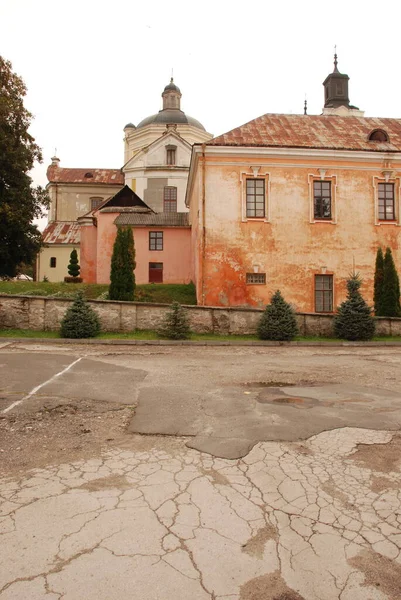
column 278, row 321
column 122, row 278
column 73, row 267
column 175, row 325
column 378, row 283
column 80, row 320
column 354, row 320
column 390, row 302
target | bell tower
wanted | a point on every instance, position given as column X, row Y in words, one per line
column 336, row 100
column 171, row 96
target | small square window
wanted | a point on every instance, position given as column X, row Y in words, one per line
column 256, row 278
column 323, row 293
column 386, row 201
column 155, row 240
column 255, row 198
column 95, row 202
column 53, row 262
column 322, row 199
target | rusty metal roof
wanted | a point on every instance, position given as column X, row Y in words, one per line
column 313, row 131
column 62, row 232
column 57, row 174
column 153, row 220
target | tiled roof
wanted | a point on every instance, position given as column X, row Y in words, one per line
column 307, row 131
column 62, row 232
column 88, row 176
column 153, row 220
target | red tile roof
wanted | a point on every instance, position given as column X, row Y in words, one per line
column 307, row 131
column 62, row 232
column 90, row 176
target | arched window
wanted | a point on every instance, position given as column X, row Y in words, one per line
column 378, row 135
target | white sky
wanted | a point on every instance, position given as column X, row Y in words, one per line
column 93, row 66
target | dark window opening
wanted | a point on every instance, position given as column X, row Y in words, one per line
column 170, row 199
column 88, row 175
column 155, row 272
column 53, row 262
column 171, row 156
column 323, row 293
column 95, row 202
column 256, row 278
column 322, row 199
column 255, row 198
column 155, row 240
column 386, row 202
column 378, row 135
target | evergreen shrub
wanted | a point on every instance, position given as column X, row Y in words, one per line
column 80, row 320
column 378, row 283
column 175, row 325
column 278, row 322
column 390, row 297
column 73, row 267
column 122, row 277
column 354, row 320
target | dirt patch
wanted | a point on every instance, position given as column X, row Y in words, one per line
column 384, row 458
column 332, row 490
column 118, row 482
column 216, row 476
column 379, row 484
column 255, row 546
column 380, row 572
column 268, row 587
column 60, row 432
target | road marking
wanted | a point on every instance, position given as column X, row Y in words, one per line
column 37, row 388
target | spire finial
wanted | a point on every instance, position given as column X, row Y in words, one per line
column 335, row 60
column 305, row 106
column 172, row 75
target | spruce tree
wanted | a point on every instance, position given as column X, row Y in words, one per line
column 378, row 283
column 278, row 321
column 354, row 320
column 122, row 278
column 73, row 267
column 175, row 325
column 80, row 320
column 390, row 303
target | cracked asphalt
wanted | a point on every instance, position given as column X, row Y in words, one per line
column 270, row 474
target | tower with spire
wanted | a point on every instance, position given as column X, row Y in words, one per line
column 336, row 100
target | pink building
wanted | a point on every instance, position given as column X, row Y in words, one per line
column 162, row 240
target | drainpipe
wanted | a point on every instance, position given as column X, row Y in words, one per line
column 56, row 204
column 203, row 222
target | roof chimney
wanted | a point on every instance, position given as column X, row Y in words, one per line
column 55, row 161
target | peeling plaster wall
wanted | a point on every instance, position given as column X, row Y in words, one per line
column 289, row 249
column 88, row 248
column 70, row 201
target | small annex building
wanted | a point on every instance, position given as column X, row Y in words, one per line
column 162, row 240
column 295, row 203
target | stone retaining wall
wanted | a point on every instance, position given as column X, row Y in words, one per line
column 42, row 313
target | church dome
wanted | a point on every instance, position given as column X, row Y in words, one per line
column 171, row 112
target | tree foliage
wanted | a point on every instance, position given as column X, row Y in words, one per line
column 390, row 295
column 354, row 320
column 122, row 277
column 80, row 320
column 20, row 202
column 378, row 283
column 278, row 321
column 73, row 267
column 175, row 325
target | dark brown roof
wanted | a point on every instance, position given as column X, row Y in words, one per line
column 62, row 232
column 307, row 131
column 90, row 176
column 153, row 220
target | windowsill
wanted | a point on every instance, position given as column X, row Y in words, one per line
column 255, row 284
column 387, row 222
column 330, row 221
column 256, row 219
column 326, row 312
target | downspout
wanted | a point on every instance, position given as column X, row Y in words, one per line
column 56, row 204
column 203, row 223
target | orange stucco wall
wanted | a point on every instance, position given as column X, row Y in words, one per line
column 289, row 248
column 97, row 248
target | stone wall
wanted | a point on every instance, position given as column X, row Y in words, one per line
column 42, row 313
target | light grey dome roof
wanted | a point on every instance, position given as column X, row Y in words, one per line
column 170, row 115
column 171, row 87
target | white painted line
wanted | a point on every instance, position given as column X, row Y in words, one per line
column 37, row 388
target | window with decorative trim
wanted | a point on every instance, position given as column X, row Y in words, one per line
column 323, row 293
column 170, row 199
column 155, row 240
column 256, row 278
column 255, row 198
column 386, row 201
column 322, row 200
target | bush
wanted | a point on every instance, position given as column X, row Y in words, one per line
column 378, row 283
column 354, row 320
column 175, row 325
column 80, row 320
column 278, row 321
column 73, row 267
column 390, row 296
column 122, row 278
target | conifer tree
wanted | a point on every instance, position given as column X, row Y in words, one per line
column 175, row 325
column 378, row 283
column 354, row 320
column 390, row 299
column 80, row 320
column 278, row 321
column 122, row 278
column 73, row 267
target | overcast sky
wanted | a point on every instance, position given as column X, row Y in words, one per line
column 93, row 66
